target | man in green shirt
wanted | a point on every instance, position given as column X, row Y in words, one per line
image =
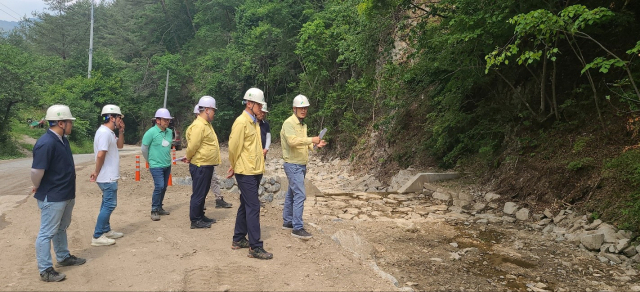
column 156, row 149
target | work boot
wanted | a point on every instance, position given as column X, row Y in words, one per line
column 72, row 260
column 243, row 243
column 301, row 233
column 260, row 253
column 288, row 226
column 163, row 212
column 51, row 275
column 208, row 220
column 200, row 224
column 222, row 204
column 155, row 216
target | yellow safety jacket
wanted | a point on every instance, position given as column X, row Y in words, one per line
column 245, row 146
column 202, row 143
column 294, row 141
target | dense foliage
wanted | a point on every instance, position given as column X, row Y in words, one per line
column 448, row 79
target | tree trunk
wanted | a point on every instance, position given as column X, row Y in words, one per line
column 543, row 81
column 166, row 15
column 186, row 3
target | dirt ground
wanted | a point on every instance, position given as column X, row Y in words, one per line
column 167, row 254
column 350, row 251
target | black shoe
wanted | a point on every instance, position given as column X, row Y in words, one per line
column 260, row 253
column 222, row 204
column 163, row 212
column 51, row 275
column 208, row 220
column 287, row 226
column 72, row 261
column 243, row 243
column 301, row 233
column 155, row 216
column 200, row 224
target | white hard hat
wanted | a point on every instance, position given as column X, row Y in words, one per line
column 264, row 108
column 300, row 101
column 58, row 112
column 163, row 113
column 255, row 95
column 111, row 109
column 196, row 110
column 207, row 101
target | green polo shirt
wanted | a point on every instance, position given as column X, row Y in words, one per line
column 159, row 156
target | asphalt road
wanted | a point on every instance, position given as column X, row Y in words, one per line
column 16, row 180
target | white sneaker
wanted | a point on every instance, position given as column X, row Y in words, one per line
column 113, row 235
column 102, row 240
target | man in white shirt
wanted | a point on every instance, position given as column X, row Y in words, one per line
column 107, row 172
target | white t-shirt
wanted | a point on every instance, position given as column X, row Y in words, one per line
column 105, row 140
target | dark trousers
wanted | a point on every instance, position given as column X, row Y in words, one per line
column 201, row 177
column 248, row 217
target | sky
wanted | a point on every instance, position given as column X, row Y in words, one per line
column 14, row 10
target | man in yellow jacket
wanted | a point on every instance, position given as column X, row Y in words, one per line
column 295, row 152
column 247, row 163
column 203, row 154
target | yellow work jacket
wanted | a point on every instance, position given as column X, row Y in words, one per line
column 202, row 143
column 245, row 146
column 294, row 141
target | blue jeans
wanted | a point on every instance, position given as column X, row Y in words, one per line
column 109, row 203
column 160, row 180
column 295, row 197
column 55, row 218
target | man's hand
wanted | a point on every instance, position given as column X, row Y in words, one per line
column 34, row 190
column 120, row 125
column 230, row 172
column 264, row 152
column 185, row 160
column 321, row 144
column 93, row 176
column 315, row 140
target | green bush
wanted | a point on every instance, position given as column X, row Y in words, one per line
column 580, row 163
column 9, row 148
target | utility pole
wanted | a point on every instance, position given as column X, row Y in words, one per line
column 90, row 43
column 166, row 88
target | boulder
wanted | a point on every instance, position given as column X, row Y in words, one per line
column 478, row 206
column 350, row 241
column 593, row 225
column 462, row 203
column 592, row 241
column 609, row 233
column 630, row 251
column 522, row 214
column 548, row 213
column 491, row 196
column 443, row 196
column 612, row 257
column 622, row 244
column 510, row 208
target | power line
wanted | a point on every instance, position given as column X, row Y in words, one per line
column 10, row 15
column 18, row 14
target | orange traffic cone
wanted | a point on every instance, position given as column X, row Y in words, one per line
column 170, row 182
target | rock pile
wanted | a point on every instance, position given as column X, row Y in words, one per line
column 268, row 191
